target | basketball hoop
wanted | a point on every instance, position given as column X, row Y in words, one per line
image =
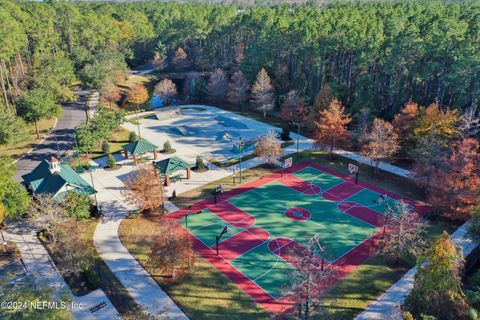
column 288, row 163
column 352, row 168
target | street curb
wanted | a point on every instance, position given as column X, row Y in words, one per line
column 38, row 144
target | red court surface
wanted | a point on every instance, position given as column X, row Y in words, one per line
column 252, row 236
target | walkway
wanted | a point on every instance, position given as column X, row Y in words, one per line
column 382, row 165
column 401, row 289
column 143, row 289
column 44, row 272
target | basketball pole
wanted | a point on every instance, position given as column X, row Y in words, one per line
column 356, row 177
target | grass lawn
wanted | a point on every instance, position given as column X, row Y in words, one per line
column 118, row 138
column 19, row 149
column 203, row 294
column 112, row 287
column 9, row 253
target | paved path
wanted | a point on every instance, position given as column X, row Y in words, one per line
column 401, row 289
column 143, row 289
column 58, row 141
column 45, row 274
column 382, row 165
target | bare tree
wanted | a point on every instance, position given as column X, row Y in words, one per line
column 268, row 147
column 217, row 85
column 404, row 232
column 262, row 92
column 382, row 142
column 238, row 89
column 47, row 215
column 180, row 59
column 158, row 61
column 165, row 89
column 362, row 122
column 310, row 280
column 293, row 108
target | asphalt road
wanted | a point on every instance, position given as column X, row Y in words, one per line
column 60, row 139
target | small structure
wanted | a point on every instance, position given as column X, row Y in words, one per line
column 138, row 148
column 56, row 178
column 171, row 165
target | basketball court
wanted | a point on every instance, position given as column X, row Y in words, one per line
column 268, row 218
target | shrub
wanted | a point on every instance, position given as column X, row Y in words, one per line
column 78, row 205
column 167, row 147
column 92, row 278
column 105, row 146
column 132, row 137
column 199, row 164
column 111, row 162
column 285, row 134
column 474, row 230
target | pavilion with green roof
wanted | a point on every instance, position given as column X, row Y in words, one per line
column 138, row 148
column 172, row 165
column 55, row 178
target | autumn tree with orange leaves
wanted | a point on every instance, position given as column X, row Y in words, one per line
column 144, row 188
column 404, row 124
column 442, row 122
column 110, row 93
column 137, row 95
column 172, row 250
column 331, row 128
column 382, row 142
column 455, row 186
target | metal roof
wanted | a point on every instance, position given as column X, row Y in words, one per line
column 139, row 147
column 171, row 165
column 41, row 180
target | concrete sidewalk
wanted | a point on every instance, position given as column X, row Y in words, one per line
column 397, row 293
column 143, row 289
column 40, row 266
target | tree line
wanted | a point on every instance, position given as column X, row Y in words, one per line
column 378, row 55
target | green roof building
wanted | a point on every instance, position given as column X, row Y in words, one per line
column 138, row 148
column 55, row 178
column 172, row 165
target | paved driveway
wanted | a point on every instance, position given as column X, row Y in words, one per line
column 60, row 140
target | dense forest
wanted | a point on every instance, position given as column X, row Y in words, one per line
column 378, row 55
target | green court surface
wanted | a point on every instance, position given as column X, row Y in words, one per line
column 369, row 198
column 312, row 215
column 337, row 231
column 266, row 269
column 321, row 179
column 206, row 225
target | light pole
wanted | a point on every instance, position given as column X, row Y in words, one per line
column 322, row 251
column 138, row 120
column 298, row 137
column 240, row 146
